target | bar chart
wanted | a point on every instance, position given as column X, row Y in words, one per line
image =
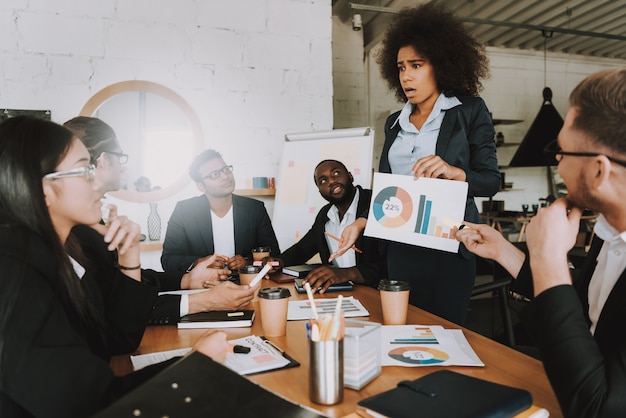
column 418, row 212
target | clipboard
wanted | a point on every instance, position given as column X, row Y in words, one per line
column 292, row 362
column 269, row 357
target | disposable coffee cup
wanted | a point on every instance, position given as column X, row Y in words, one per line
column 394, row 297
column 247, row 274
column 259, row 253
column 273, row 304
column 326, row 371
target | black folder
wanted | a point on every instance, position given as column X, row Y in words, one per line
column 445, row 394
column 198, row 387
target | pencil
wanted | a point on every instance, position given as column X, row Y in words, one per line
column 339, row 240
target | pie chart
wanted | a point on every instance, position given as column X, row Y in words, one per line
column 392, row 207
column 418, row 355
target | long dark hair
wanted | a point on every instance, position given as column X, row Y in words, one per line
column 29, row 149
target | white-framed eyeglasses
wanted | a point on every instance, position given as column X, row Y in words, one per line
column 123, row 158
column 89, row 172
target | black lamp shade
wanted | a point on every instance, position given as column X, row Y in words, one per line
column 544, row 129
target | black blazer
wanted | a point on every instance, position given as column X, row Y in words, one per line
column 371, row 263
column 189, row 232
column 166, row 308
column 52, row 365
column 587, row 372
column 465, row 141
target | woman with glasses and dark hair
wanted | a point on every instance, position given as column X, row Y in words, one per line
column 58, row 327
column 216, row 223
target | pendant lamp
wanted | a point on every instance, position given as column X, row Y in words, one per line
column 543, row 130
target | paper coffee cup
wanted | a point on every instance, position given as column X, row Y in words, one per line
column 273, row 303
column 259, row 253
column 394, row 298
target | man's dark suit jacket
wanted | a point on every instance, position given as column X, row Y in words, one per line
column 189, row 234
column 53, row 365
column 371, row 263
column 166, row 308
column 587, row 372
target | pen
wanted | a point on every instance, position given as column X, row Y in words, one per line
column 339, row 240
column 241, row 349
column 274, row 346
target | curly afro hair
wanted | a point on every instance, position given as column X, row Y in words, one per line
column 458, row 60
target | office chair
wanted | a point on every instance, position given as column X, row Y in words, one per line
column 500, row 287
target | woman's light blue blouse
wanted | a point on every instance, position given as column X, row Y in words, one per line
column 411, row 144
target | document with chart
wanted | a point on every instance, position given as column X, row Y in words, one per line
column 425, row 345
column 418, row 212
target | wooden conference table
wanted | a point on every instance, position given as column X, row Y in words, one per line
column 502, row 364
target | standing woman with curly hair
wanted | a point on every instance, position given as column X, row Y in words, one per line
column 443, row 131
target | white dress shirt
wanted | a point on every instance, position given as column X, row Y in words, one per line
column 611, row 263
column 335, row 226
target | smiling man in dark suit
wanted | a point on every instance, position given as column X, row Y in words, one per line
column 576, row 323
column 217, row 222
column 345, row 203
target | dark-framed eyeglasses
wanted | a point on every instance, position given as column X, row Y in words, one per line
column 554, row 151
column 122, row 157
column 89, row 172
column 214, row 175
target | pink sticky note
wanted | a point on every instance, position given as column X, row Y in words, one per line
column 356, row 171
column 291, row 163
column 312, row 209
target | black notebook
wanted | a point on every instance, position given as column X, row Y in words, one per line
column 218, row 319
column 198, row 387
column 300, row 270
column 445, row 394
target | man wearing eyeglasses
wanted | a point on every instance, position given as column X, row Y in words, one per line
column 217, row 222
column 578, row 325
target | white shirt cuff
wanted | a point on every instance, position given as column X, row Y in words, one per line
column 184, row 305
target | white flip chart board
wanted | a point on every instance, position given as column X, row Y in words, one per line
column 297, row 198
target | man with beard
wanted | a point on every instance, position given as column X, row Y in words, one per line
column 217, row 222
column 576, row 324
column 346, row 201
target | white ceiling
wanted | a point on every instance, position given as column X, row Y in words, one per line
column 583, row 27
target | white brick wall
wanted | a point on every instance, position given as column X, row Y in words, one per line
column 252, row 70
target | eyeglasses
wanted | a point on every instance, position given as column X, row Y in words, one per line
column 214, row 175
column 88, row 172
column 122, row 157
column 553, row 150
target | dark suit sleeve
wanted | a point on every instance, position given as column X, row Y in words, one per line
column 164, row 281
column 177, row 254
column 586, row 383
column 48, row 368
column 166, row 310
column 483, row 176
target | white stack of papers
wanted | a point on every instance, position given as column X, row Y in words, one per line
column 301, row 309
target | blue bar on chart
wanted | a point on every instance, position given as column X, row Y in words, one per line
column 427, row 224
